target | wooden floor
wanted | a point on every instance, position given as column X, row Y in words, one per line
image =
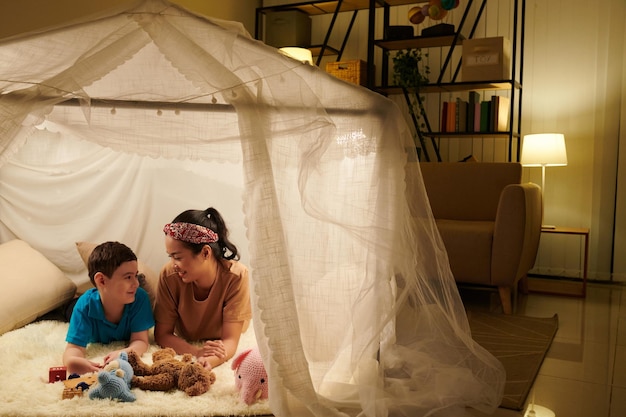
column 567, row 287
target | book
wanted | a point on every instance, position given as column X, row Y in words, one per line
column 476, row 117
column 500, row 113
column 444, row 117
column 451, row 120
column 472, row 109
column 485, row 115
column 461, row 115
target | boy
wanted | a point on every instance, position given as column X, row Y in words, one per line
column 116, row 309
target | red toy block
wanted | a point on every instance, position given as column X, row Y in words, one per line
column 57, row 373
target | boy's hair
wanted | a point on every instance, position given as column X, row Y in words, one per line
column 107, row 257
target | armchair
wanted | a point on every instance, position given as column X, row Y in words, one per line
column 489, row 221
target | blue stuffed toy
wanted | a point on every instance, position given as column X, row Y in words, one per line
column 114, row 381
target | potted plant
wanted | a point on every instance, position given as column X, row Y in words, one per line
column 410, row 72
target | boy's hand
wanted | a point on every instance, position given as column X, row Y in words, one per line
column 82, row 366
column 111, row 356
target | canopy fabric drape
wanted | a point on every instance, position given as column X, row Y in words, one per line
column 356, row 311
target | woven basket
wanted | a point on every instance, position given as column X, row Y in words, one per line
column 354, row 71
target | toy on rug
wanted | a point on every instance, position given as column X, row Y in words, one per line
column 167, row 372
column 250, row 376
column 57, row 373
column 75, row 384
column 114, row 381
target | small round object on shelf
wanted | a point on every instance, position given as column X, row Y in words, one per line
column 436, row 12
column 449, row 4
column 415, row 15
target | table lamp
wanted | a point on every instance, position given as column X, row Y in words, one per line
column 300, row 54
column 544, row 150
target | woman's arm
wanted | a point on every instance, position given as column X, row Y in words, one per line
column 216, row 352
column 164, row 336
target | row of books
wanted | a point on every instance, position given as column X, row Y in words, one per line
column 475, row 115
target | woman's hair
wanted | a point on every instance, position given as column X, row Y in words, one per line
column 107, row 257
column 211, row 219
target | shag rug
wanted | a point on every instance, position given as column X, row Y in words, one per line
column 520, row 343
column 28, row 353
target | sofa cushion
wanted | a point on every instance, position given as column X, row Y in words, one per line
column 31, row 285
column 149, row 283
column 468, row 244
column 467, row 191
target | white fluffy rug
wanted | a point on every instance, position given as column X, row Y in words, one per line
column 29, row 352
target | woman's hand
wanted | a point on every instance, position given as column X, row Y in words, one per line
column 213, row 348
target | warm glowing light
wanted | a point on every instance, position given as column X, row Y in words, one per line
column 299, row 54
column 544, row 149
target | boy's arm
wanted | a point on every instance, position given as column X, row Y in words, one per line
column 139, row 342
column 75, row 361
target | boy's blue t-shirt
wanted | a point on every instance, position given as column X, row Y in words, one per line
column 88, row 324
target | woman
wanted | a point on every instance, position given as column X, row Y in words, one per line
column 204, row 292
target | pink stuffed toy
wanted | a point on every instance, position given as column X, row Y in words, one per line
column 250, row 376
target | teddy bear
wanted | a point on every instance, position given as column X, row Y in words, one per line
column 114, row 381
column 250, row 376
column 167, row 372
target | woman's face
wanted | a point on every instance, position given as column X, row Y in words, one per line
column 188, row 265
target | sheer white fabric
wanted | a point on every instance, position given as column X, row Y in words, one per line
column 355, row 308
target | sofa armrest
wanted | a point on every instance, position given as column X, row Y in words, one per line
column 516, row 233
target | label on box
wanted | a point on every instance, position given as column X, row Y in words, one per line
column 478, row 60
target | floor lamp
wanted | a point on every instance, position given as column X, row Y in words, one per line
column 544, row 150
column 535, row 410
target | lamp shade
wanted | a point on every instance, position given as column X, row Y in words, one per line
column 300, row 54
column 544, row 149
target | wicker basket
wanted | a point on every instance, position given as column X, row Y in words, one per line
column 354, row 71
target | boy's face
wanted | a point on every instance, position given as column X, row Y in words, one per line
column 122, row 286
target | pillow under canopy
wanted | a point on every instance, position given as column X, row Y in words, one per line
column 31, row 285
column 149, row 282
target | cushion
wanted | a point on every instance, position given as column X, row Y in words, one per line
column 149, row 282
column 462, row 191
column 469, row 247
column 31, row 285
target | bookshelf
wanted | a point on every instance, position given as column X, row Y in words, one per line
column 448, row 87
column 448, row 82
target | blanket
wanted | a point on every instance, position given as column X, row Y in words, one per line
column 29, row 352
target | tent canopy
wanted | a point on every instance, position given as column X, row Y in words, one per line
column 110, row 127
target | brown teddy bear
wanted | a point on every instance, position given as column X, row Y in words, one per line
column 167, row 372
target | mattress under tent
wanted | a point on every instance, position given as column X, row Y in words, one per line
column 112, row 126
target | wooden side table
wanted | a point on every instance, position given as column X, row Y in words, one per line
column 549, row 286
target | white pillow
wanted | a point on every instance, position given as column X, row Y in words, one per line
column 31, row 285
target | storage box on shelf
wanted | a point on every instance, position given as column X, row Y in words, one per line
column 288, row 28
column 486, row 59
column 354, row 71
